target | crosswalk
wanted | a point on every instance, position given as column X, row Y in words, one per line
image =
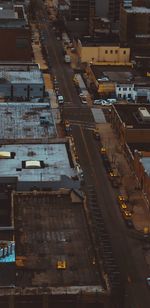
column 83, row 124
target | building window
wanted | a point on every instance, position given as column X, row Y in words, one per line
column 119, row 89
column 124, row 52
column 124, row 89
column 106, row 51
column 111, row 51
column 25, row 89
column 116, row 51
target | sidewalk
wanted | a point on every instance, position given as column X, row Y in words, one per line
column 137, row 204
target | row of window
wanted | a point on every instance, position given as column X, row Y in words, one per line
column 114, row 51
column 124, row 89
column 31, row 89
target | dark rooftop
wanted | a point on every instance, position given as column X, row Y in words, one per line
column 107, row 39
column 129, row 115
column 51, row 231
column 114, row 73
column 139, row 147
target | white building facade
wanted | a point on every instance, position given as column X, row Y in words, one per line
column 126, row 91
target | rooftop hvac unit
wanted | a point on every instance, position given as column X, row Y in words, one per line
column 4, row 154
column 32, row 164
column 144, row 114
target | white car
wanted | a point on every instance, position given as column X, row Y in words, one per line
column 60, row 99
column 97, row 102
column 111, row 100
column 106, row 103
column 83, row 100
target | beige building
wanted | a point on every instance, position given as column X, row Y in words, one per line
column 104, row 55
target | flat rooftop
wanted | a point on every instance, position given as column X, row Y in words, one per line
column 53, row 247
column 21, row 121
column 8, row 14
column 21, row 77
column 114, row 74
column 130, row 116
column 146, row 164
column 138, row 10
column 107, row 39
column 139, row 147
column 4, row 66
column 35, row 162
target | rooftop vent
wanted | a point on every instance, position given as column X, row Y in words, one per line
column 32, row 164
column 144, row 114
column 4, row 154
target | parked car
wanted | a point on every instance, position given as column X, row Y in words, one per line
column 129, row 223
column 106, row 103
column 123, row 206
column 111, row 100
column 97, row 102
column 60, row 99
column 96, row 134
column 148, row 281
column 121, row 199
column 126, row 214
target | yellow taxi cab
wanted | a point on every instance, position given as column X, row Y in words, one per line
column 127, row 214
column 103, row 151
column 61, row 264
column 121, row 199
column 123, row 206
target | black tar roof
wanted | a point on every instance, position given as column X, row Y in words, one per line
column 129, row 115
column 52, row 227
column 139, row 147
column 114, row 73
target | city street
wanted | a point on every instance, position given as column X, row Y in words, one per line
column 127, row 251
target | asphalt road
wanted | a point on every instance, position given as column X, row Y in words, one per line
column 126, row 249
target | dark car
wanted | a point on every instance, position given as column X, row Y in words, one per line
column 148, row 281
column 96, row 134
column 129, row 223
